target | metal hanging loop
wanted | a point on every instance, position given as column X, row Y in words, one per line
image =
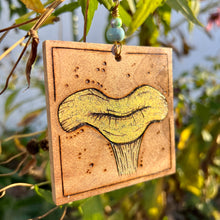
column 117, row 50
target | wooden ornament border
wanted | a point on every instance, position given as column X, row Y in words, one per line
column 67, row 198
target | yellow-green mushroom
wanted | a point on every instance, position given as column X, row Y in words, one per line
column 122, row 121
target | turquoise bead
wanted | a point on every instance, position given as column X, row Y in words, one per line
column 115, row 34
column 116, row 22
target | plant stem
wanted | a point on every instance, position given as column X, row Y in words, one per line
column 85, row 21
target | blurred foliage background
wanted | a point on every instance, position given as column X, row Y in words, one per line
column 190, row 194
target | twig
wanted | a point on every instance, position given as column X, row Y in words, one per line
column 85, row 21
column 3, row 194
column 46, row 14
column 3, row 190
column 12, row 158
column 18, row 25
column 18, row 60
column 46, row 214
column 41, row 184
column 3, row 36
column 23, row 135
column 64, row 213
column 15, row 185
column 12, row 47
column 18, row 167
column 34, row 29
column 210, row 155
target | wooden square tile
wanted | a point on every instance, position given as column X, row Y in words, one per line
column 110, row 123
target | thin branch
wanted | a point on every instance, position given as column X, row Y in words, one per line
column 12, row 158
column 16, row 170
column 23, row 135
column 34, row 29
column 64, row 213
column 19, row 25
column 12, row 47
column 12, row 71
column 3, row 36
column 3, row 194
column 85, row 21
column 35, row 39
column 41, row 184
column 15, row 185
column 210, row 155
column 3, row 190
column 46, row 214
column 46, row 14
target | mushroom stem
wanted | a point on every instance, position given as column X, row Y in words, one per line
column 126, row 156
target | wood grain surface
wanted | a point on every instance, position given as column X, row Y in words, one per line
column 110, row 124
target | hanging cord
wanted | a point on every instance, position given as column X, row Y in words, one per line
column 117, row 45
column 31, row 35
column 115, row 11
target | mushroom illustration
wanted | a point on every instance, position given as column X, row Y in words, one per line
column 122, row 121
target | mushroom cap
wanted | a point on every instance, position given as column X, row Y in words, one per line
column 121, row 120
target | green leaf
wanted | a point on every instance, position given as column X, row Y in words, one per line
column 153, row 192
column 9, row 101
column 93, row 5
column 118, row 215
column 211, row 189
column 109, row 4
column 12, row 108
column 206, row 136
column 195, row 7
column 188, row 168
column 49, row 20
column 209, row 6
column 20, row 8
column 47, row 171
column 144, row 9
column 164, row 13
column 125, row 17
column 46, row 194
column 183, row 7
column 215, row 170
column 149, row 32
column 29, row 117
column 76, row 204
column 184, row 137
column 27, row 17
column 92, row 209
column 113, row 197
column 67, row 8
column 24, row 18
column 131, row 4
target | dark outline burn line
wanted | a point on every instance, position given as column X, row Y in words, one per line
column 128, row 95
column 54, row 79
column 168, row 70
column 59, row 138
column 106, row 186
column 61, row 164
column 170, row 136
column 156, row 54
column 92, row 50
